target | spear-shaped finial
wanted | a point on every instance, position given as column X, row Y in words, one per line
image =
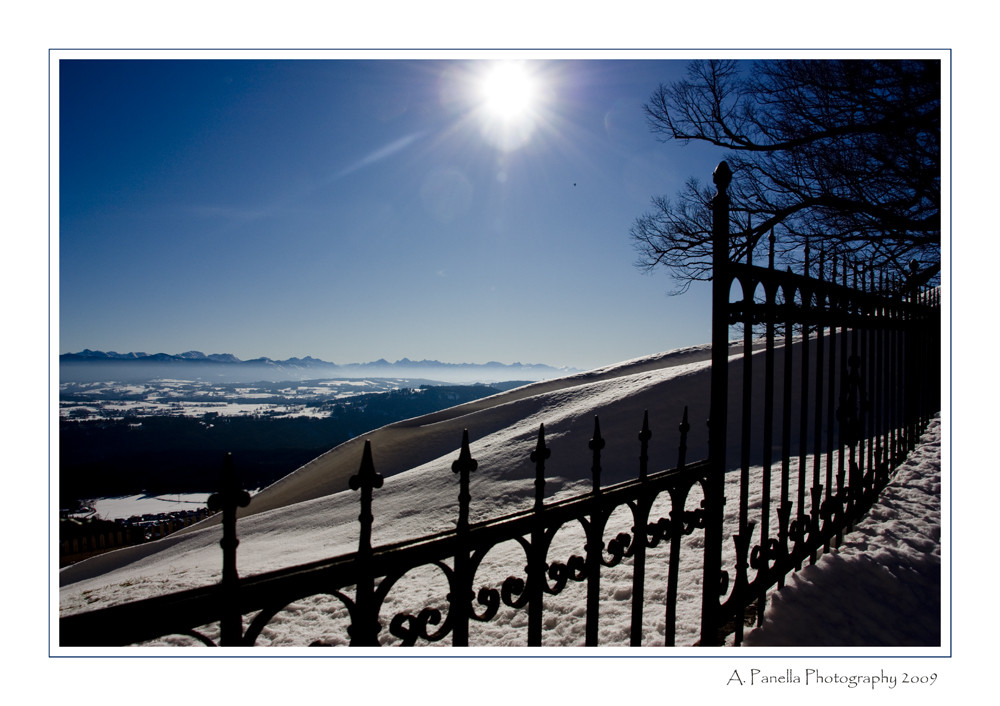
column 722, row 176
column 596, row 444
column 644, row 436
column 684, row 427
column 538, row 457
column 463, row 466
column 366, row 480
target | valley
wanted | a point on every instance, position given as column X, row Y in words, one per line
column 170, row 436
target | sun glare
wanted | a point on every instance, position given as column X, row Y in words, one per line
column 510, row 104
column 508, row 91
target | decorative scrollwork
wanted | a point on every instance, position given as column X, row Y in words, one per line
column 635, row 542
column 574, row 569
column 617, row 548
column 684, row 523
column 834, row 508
column 512, row 592
column 410, row 628
column 798, row 529
column 762, row 556
column 489, row 597
column 657, row 531
column 692, row 520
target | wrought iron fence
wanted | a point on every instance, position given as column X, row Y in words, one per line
column 865, row 383
column 844, row 396
column 373, row 572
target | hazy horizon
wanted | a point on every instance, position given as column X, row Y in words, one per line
column 305, row 356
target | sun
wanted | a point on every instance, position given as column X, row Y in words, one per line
column 510, row 104
column 508, row 91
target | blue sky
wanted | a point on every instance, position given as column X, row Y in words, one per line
column 361, row 209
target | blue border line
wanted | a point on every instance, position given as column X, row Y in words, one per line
column 951, row 609
column 48, row 367
column 951, row 367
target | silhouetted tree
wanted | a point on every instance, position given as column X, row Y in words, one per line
column 845, row 153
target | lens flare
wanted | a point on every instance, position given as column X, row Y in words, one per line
column 510, row 104
column 508, row 91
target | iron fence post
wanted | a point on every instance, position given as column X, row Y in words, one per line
column 595, row 541
column 462, row 593
column 536, row 558
column 714, row 483
column 365, row 625
column 639, row 530
column 229, row 497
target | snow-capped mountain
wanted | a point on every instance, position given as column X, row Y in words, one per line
column 89, row 365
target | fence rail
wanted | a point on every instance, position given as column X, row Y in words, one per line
column 851, row 375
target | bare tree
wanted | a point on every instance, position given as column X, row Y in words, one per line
column 844, row 153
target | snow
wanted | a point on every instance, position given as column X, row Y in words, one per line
column 895, row 552
column 890, row 563
column 126, row 506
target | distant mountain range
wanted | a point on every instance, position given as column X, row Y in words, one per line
column 89, row 365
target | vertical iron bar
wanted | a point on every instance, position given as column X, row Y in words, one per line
column 744, row 528
column 365, row 626
column 824, row 302
column 832, row 390
column 920, row 341
column 749, row 289
column 684, row 427
column 536, row 559
column 785, row 509
column 885, row 399
column 676, row 526
column 804, row 407
column 897, row 356
column 891, row 384
column 595, row 541
column 229, row 497
column 763, row 568
column 677, row 498
column 462, row 592
column 714, row 483
column 911, row 385
column 644, row 436
column 639, row 540
column 857, row 346
column 844, row 381
column 871, row 338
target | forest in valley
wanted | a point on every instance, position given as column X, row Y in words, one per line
column 180, row 454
